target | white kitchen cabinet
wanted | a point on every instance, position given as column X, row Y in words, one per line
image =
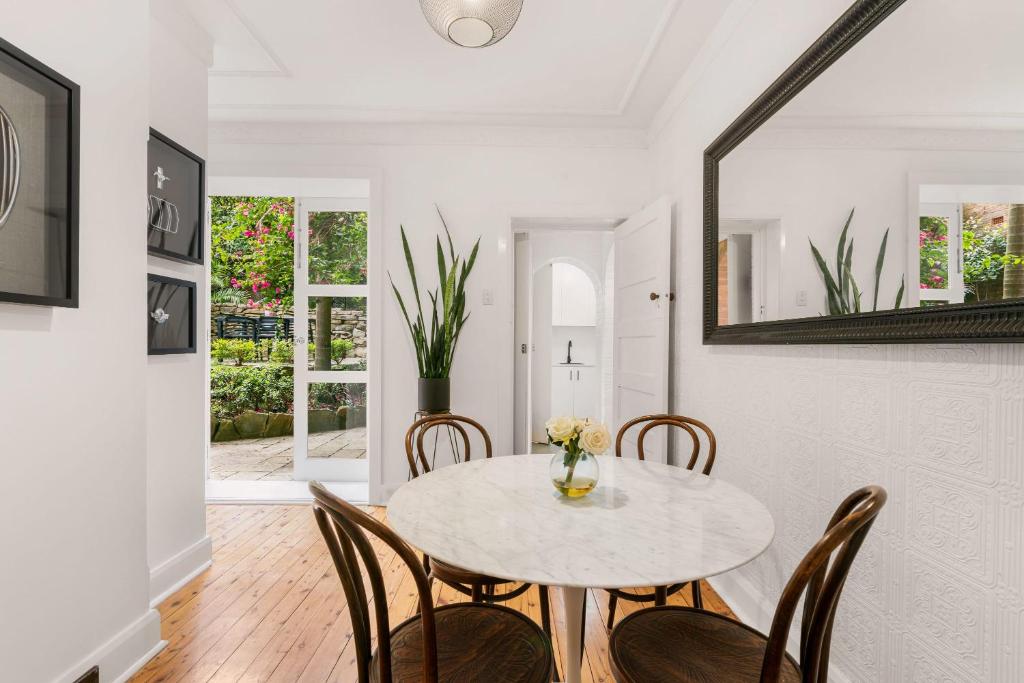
column 574, row 391
column 573, row 299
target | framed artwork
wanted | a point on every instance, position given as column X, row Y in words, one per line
column 177, row 197
column 171, row 315
column 39, row 118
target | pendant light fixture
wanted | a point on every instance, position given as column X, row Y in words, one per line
column 472, row 23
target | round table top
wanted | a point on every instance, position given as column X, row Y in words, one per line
column 646, row 524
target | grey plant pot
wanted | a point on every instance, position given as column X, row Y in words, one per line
column 434, row 394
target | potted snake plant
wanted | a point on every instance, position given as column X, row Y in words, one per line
column 435, row 344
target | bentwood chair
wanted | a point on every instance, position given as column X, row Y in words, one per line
column 479, row 587
column 454, row 643
column 687, row 645
column 659, row 595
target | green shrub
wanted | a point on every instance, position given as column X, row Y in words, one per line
column 239, row 350
column 340, row 349
column 282, row 351
column 263, row 388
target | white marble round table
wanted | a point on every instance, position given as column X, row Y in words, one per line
column 646, row 524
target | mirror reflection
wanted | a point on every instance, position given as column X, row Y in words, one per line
column 894, row 180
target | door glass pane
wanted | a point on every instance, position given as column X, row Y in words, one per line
column 337, row 333
column 337, row 420
column 251, row 373
column 933, row 247
column 337, row 247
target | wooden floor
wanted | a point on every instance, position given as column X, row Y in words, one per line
column 271, row 607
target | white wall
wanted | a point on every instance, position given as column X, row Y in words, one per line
column 175, row 412
column 74, row 585
column 481, row 178
column 936, row 593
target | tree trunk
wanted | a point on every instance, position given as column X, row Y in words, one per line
column 1013, row 276
column 322, row 343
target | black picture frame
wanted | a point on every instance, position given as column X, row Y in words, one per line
column 62, row 175
column 1000, row 321
column 183, row 206
column 177, row 295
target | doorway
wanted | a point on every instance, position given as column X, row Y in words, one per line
column 562, row 322
column 293, row 292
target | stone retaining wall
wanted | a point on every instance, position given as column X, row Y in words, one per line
column 344, row 324
column 253, row 425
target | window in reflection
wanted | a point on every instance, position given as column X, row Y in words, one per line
column 970, row 251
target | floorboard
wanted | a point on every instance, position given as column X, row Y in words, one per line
column 272, row 609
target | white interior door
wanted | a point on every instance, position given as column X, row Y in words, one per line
column 333, row 270
column 643, row 259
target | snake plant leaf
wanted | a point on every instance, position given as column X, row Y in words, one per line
column 841, row 250
column 451, row 245
column 442, row 271
column 847, row 277
column 879, row 262
column 830, row 283
column 899, row 294
column 408, row 322
column 856, row 295
column 412, row 270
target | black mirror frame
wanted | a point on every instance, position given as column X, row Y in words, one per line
column 1001, row 321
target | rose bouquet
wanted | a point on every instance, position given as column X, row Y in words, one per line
column 580, row 440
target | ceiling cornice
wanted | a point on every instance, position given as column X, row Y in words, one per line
column 326, row 112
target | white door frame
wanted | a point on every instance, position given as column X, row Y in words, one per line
column 297, row 180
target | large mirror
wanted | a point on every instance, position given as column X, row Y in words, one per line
column 875, row 193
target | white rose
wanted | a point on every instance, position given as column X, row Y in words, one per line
column 579, row 424
column 595, row 439
column 560, row 428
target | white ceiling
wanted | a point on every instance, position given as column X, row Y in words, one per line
column 567, row 62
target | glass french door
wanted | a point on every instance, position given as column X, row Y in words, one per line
column 941, row 257
column 331, row 342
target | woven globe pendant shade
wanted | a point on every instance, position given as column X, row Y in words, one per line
column 472, row 23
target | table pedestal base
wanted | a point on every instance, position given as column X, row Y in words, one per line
column 574, row 599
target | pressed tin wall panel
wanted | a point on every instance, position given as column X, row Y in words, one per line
column 937, row 592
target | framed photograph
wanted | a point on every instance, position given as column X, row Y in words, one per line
column 177, row 197
column 171, row 315
column 39, row 115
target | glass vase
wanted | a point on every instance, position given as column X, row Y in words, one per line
column 574, row 475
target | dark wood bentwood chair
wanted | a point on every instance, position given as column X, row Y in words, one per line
column 479, row 587
column 454, row 643
column 659, row 595
column 687, row 645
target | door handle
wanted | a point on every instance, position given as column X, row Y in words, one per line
column 655, row 296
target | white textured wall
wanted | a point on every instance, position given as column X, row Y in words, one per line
column 937, row 593
column 175, row 412
column 74, row 586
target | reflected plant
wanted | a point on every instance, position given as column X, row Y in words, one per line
column 844, row 296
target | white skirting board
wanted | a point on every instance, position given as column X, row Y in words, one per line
column 279, row 492
column 124, row 654
column 752, row 609
column 175, row 572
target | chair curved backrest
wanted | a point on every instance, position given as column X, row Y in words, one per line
column 687, row 424
column 342, row 526
column 822, row 574
column 417, row 431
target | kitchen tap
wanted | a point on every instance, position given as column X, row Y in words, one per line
column 568, row 355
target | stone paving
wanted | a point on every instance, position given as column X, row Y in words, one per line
column 271, row 459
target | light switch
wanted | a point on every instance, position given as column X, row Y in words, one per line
column 801, row 297
column 488, row 297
